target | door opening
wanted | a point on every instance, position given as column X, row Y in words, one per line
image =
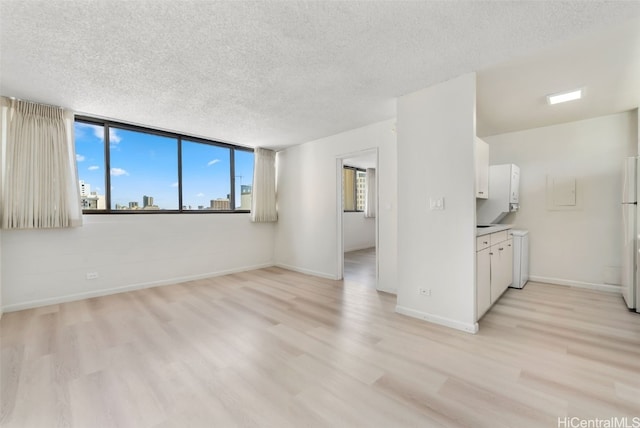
column 357, row 218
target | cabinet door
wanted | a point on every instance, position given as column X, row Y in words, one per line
column 496, row 272
column 483, row 281
column 507, row 259
column 501, row 268
column 482, row 169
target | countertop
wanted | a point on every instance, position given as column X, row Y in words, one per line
column 480, row 231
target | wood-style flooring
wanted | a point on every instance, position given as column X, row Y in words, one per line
column 360, row 267
column 274, row 348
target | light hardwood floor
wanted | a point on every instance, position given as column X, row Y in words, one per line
column 273, row 348
column 360, row 267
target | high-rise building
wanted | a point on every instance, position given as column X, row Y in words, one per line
column 88, row 203
column 102, row 202
column 245, row 197
column 220, row 204
column 361, row 183
column 85, row 188
column 133, row 205
column 90, row 200
column 147, row 201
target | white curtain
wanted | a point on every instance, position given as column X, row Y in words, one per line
column 263, row 201
column 40, row 185
column 370, row 199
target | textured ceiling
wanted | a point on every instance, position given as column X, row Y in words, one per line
column 267, row 73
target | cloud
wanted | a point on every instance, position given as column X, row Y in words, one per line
column 199, row 195
column 213, row 162
column 93, row 167
column 81, row 128
column 79, row 158
column 98, row 132
column 118, row 171
column 174, row 184
column 113, row 136
column 114, row 139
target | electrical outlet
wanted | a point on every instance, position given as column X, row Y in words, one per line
column 425, row 291
column 436, row 204
column 92, row 275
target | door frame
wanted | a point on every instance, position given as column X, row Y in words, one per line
column 340, row 213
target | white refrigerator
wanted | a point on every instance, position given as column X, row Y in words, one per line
column 630, row 255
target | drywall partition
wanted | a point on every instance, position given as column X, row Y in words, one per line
column 127, row 252
column 359, row 231
column 1, row 307
column 308, row 202
column 579, row 245
column 436, row 247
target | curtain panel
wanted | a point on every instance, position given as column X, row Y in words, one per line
column 370, row 197
column 263, row 202
column 39, row 177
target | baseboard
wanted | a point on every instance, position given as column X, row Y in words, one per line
column 359, row 247
column 578, row 284
column 307, row 271
column 105, row 292
column 436, row 319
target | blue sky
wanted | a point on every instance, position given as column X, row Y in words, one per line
column 146, row 164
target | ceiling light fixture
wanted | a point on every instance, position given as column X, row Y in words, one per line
column 563, row 97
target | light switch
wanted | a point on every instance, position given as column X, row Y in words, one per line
column 436, row 204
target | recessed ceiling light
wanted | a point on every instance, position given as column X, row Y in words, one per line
column 563, row 97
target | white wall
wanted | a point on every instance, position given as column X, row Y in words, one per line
column 574, row 247
column 127, row 251
column 308, row 201
column 359, row 231
column 436, row 249
column 1, row 307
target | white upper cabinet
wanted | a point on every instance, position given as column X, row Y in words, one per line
column 482, row 169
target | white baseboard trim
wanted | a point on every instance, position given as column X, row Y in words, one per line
column 387, row 290
column 307, row 271
column 578, row 284
column 359, row 247
column 436, row 319
column 107, row 291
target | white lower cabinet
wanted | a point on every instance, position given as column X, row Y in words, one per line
column 494, row 269
column 501, row 268
column 483, row 279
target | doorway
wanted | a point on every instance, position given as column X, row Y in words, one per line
column 357, row 218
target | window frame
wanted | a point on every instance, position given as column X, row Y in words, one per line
column 107, row 123
column 355, row 187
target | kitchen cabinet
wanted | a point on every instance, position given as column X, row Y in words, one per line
column 501, row 268
column 482, row 168
column 505, row 194
column 483, row 280
column 494, row 268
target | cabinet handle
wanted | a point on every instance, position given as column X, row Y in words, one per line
column 501, row 249
column 491, row 254
column 485, row 242
column 482, row 193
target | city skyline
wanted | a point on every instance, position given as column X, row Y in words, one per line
column 146, row 164
column 92, row 200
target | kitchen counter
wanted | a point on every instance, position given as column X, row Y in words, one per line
column 492, row 229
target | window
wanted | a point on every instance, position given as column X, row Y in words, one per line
column 206, row 182
column 143, row 171
column 243, row 173
column 91, row 165
column 129, row 169
column 353, row 188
